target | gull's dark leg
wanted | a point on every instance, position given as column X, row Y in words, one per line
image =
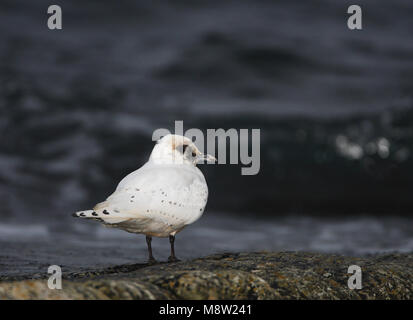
column 149, row 243
column 172, row 257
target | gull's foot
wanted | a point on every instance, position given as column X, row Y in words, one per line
column 152, row 260
column 173, row 259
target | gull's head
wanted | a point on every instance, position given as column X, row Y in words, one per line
column 175, row 149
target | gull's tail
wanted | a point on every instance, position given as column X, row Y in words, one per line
column 88, row 214
column 103, row 214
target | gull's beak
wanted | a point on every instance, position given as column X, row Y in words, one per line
column 205, row 157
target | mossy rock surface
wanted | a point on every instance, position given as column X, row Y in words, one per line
column 258, row 275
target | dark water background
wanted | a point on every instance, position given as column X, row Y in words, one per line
column 78, row 107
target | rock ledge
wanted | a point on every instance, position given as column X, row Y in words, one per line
column 259, row 275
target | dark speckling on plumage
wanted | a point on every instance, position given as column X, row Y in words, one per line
column 105, row 212
column 94, row 213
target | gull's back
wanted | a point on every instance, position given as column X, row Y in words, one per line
column 157, row 199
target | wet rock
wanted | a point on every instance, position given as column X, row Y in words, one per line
column 260, row 275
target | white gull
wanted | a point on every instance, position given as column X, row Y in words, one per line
column 162, row 197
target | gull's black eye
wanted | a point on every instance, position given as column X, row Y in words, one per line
column 182, row 148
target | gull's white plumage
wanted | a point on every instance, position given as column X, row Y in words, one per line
column 156, row 200
column 162, row 197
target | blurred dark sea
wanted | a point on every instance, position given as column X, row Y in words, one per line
column 78, row 106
